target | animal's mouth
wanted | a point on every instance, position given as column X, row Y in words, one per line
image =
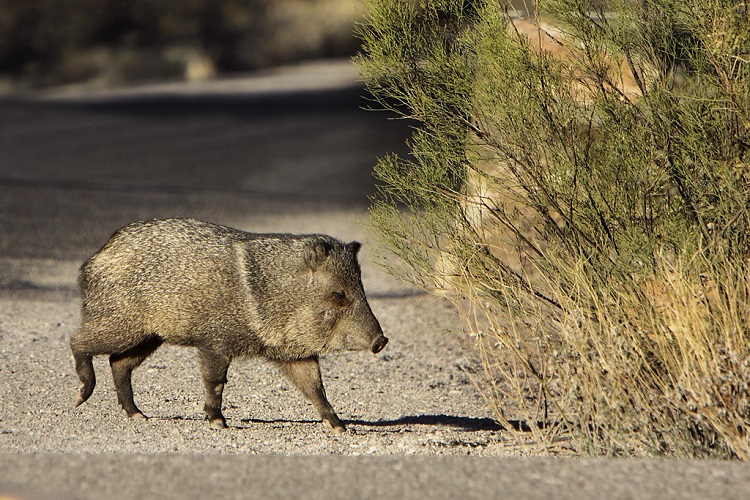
column 379, row 344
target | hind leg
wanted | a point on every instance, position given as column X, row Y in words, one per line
column 79, row 344
column 122, row 365
column 85, row 370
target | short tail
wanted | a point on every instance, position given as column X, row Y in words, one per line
column 85, row 369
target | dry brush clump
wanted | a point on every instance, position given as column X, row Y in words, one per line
column 579, row 187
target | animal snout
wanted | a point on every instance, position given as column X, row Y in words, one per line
column 379, row 344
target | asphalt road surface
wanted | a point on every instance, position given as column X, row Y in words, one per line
column 287, row 150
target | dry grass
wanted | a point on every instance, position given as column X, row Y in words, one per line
column 656, row 365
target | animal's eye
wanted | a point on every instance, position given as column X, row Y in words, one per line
column 339, row 298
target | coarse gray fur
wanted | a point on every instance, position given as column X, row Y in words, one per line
column 287, row 298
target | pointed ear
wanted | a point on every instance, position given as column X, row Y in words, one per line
column 355, row 246
column 316, row 253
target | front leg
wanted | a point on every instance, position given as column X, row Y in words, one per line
column 214, row 368
column 305, row 375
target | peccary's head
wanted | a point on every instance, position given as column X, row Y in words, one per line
column 335, row 279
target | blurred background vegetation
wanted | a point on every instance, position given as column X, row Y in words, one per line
column 116, row 42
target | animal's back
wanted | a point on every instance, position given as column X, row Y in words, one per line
column 164, row 276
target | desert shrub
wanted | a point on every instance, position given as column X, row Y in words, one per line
column 578, row 186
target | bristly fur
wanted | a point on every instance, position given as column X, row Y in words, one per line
column 229, row 293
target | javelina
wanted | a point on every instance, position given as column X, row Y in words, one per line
column 229, row 293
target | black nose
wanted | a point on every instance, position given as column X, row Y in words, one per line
column 379, row 344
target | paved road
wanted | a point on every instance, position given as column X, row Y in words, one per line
column 411, row 478
column 291, row 150
column 72, row 164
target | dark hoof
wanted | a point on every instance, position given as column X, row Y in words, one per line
column 379, row 344
column 136, row 415
column 218, row 423
column 335, row 424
